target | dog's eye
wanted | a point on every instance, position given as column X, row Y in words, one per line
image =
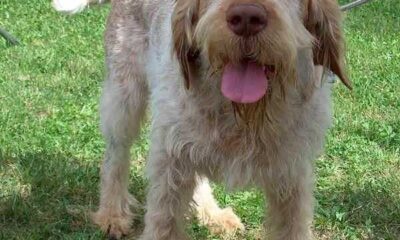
column 193, row 55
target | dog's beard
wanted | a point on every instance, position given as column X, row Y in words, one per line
column 282, row 77
column 276, row 48
column 254, row 115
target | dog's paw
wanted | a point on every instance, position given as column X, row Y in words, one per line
column 114, row 225
column 225, row 221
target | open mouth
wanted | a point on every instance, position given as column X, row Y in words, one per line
column 246, row 82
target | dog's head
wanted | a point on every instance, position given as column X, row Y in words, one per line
column 254, row 44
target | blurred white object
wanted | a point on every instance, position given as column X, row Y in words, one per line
column 70, row 6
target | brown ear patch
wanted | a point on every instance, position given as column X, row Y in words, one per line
column 184, row 19
column 323, row 20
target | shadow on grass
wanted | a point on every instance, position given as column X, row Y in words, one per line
column 51, row 196
column 368, row 212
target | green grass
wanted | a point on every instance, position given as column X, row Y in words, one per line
column 50, row 145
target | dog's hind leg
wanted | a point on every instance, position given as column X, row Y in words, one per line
column 210, row 214
column 123, row 107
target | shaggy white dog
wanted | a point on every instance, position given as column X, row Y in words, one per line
column 236, row 97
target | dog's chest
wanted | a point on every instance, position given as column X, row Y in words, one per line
column 223, row 150
column 220, row 135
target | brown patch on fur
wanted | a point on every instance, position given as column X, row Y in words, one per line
column 323, row 21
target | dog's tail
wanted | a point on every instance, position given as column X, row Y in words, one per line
column 74, row 6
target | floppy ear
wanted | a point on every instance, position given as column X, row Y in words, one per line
column 323, row 20
column 185, row 16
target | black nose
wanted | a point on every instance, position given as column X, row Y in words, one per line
column 246, row 19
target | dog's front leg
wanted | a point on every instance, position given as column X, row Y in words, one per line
column 171, row 190
column 123, row 107
column 290, row 205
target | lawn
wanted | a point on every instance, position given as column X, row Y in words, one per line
column 51, row 147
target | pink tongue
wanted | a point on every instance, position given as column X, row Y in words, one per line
column 244, row 83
